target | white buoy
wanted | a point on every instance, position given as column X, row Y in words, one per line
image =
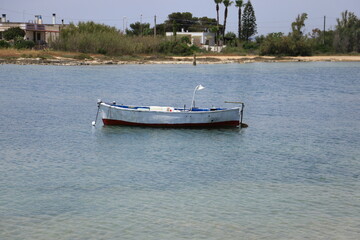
column 93, row 123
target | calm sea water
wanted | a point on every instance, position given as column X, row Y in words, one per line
column 293, row 174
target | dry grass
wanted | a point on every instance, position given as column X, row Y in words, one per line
column 14, row 53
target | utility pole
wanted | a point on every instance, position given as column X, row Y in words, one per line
column 141, row 29
column 155, row 26
column 324, row 30
column 124, row 18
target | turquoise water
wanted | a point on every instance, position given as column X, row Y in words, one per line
column 293, row 174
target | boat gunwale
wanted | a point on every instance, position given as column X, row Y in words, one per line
column 179, row 111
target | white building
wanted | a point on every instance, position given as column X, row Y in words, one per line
column 35, row 30
column 201, row 39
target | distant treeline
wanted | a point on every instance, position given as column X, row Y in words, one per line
column 89, row 37
column 344, row 39
column 92, row 38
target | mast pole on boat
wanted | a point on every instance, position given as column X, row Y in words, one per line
column 198, row 87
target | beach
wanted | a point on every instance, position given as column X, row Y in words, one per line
column 31, row 57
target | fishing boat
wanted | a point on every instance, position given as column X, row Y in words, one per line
column 166, row 116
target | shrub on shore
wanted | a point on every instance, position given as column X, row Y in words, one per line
column 89, row 37
column 13, row 33
column 4, row 44
column 23, row 44
column 277, row 44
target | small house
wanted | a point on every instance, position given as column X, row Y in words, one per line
column 35, row 30
column 200, row 39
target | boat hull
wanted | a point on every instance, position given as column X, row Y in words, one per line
column 115, row 115
column 169, row 125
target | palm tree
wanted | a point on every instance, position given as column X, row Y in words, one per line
column 217, row 9
column 239, row 4
column 227, row 3
column 217, row 13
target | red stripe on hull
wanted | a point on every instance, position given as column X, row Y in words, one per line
column 180, row 125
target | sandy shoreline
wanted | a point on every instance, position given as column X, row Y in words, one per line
column 215, row 59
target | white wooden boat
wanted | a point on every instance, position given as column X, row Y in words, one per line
column 163, row 116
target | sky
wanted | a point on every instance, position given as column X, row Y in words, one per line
column 271, row 15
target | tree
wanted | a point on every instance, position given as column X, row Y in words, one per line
column 239, row 4
column 13, row 33
column 227, row 3
column 182, row 20
column 139, row 29
column 347, row 33
column 249, row 27
column 217, row 17
column 297, row 26
column 217, row 10
column 203, row 24
column 185, row 21
column 4, row 44
column 230, row 39
column 274, row 44
column 295, row 44
column 174, row 28
column 322, row 41
column 300, row 44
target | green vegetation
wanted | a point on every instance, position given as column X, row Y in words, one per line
column 15, row 38
column 93, row 38
column 89, row 37
column 227, row 4
column 180, row 48
column 176, row 22
column 13, row 33
column 217, row 2
column 4, row 44
column 239, row 4
column 23, row 44
column 347, row 33
column 249, row 27
column 295, row 44
column 345, row 39
column 139, row 29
